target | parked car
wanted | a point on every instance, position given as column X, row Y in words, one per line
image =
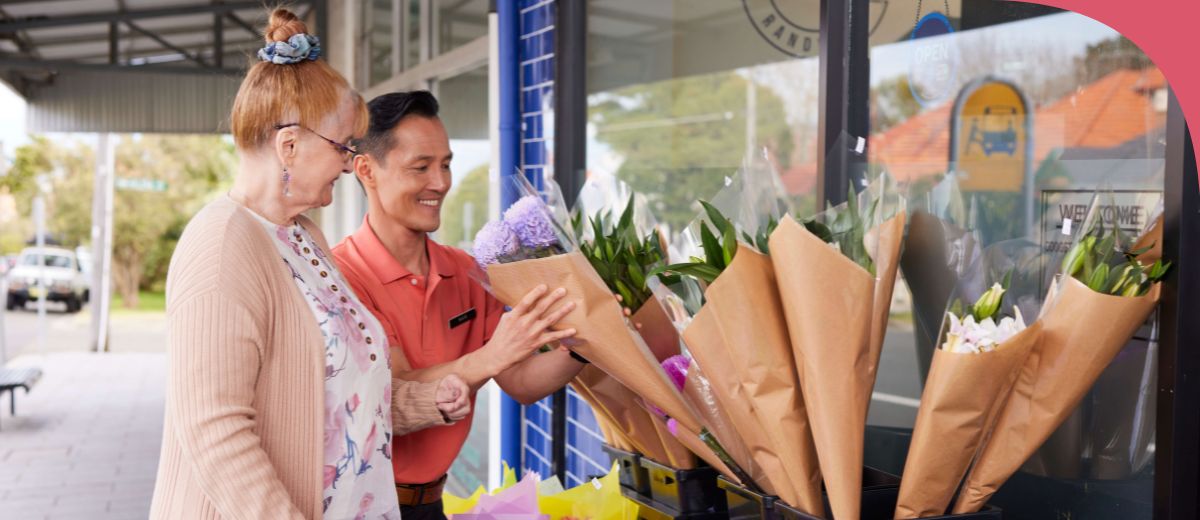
column 63, row 280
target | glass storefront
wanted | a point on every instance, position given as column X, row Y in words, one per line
column 999, row 118
column 1026, row 110
column 680, row 92
column 401, row 34
column 1030, row 110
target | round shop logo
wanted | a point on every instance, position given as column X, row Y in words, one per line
column 933, row 60
column 788, row 25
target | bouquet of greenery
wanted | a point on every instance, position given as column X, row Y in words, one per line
column 621, row 251
column 738, row 339
column 836, row 272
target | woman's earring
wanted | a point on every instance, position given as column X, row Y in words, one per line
column 287, row 182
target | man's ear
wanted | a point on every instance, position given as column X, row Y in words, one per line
column 364, row 169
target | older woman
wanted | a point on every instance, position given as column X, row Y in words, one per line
column 280, row 401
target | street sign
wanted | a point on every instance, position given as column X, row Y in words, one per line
column 128, row 184
column 990, row 149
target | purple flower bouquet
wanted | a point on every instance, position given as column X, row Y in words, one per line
column 529, row 247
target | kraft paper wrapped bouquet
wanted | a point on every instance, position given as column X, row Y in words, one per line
column 1102, row 296
column 622, row 251
column 835, row 275
column 981, row 350
column 739, row 339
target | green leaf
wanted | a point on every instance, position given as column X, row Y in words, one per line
column 626, row 221
column 730, row 246
column 819, row 230
column 1141, row 251
column 716, row 217
column 1096, row 280
column 700, row 271
column 1114, row 280
column 626, row 294
column 713, row 252
column 636, row 275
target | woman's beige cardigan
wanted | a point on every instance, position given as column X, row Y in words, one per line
column 244, row 428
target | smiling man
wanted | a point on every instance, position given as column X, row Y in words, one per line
column 438, row 319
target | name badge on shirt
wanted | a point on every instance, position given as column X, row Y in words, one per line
column 462, row 318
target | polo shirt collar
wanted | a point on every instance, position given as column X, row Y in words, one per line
column 386, row 268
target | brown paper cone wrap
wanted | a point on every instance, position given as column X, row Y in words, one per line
column 602, row 336
column 619, row 404
column 657, row 329
column 884, row 241
column 745, row 303
column 677, row 454
column 1081, row 334
column 827, row 299
column 696, row 445
column 962, row 395
column 698, row 392
column 704, row 341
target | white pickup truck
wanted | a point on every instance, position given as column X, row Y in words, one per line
column 63, row 279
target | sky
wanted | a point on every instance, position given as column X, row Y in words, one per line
column 12, row 128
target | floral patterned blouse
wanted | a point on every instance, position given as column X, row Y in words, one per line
column 358, row 384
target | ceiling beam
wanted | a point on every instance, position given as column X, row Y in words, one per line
column 232, row 48
column 163, row 41
column 27, row 64
column 38, row 22
column 238, row 21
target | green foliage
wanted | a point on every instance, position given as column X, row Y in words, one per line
column 720, row 245
column 846, row 226
column 622, row 258
column 146, row 225
column 1096, row 261
column 892, row 103
column 675, row 164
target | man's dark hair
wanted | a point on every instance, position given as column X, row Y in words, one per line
column 386, row 112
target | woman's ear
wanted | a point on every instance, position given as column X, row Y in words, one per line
column 285, row 145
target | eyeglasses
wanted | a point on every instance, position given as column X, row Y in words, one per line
column 346, row 150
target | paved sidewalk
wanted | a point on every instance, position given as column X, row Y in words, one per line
column 85, row 442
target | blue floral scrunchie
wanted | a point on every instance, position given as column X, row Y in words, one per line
column 296, row 49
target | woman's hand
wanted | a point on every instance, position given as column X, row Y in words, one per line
column 453, row 398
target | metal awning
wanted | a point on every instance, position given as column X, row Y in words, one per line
column 75, row 61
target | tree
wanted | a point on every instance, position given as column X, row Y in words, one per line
column 146, row 224
column 679, row 138
column 473, row 190
column 892, row 104
column 1107, row 56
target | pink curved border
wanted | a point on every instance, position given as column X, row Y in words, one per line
column 1161, row 28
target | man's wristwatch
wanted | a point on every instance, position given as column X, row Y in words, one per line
column 578, row 357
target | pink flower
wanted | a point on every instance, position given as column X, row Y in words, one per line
column 282, row 234
column 369, row 444
column 387, row 394
column 353, row 403
column 364, row 505
column 330, row 475
column 335, row 432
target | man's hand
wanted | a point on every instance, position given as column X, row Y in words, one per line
column 453, row 398
column 526, row 328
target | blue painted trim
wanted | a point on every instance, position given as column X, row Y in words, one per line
column 507, row 13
